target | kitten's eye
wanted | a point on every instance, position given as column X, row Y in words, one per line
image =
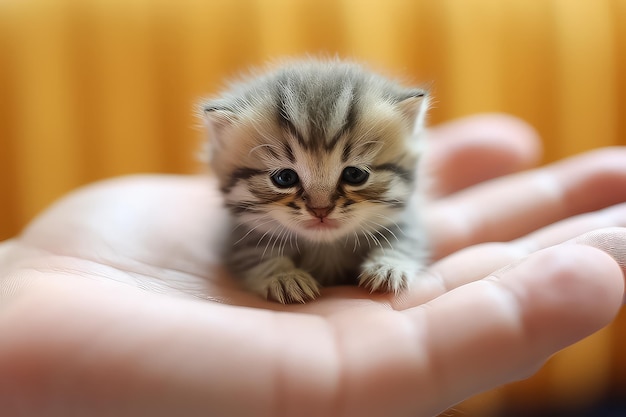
column 354, row 175
column 285, row 178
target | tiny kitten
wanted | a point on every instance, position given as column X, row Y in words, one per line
column 317, row 162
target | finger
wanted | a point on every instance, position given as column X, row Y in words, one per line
column 612, row 241
column 573, row 227
column 502, row 329
column 507, row 208
column 605, row 230
column 474, row 149
column 477, row 261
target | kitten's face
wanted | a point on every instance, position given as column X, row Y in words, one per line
column 326, row 168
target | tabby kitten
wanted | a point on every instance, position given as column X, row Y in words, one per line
column 317, row 161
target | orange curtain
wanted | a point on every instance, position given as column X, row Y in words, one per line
column 95, row 88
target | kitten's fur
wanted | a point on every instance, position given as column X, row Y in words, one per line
column 349, row 213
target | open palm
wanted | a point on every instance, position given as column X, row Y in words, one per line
column 114, row 302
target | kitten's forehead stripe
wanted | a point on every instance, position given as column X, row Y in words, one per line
column 405, row 174
column 317, row 114
column 347, row 149
column 241, row 207
column 267, row 196
column 289, row 153
column 272, row 152
column 242, row 173
column 349, row 122
column 284, row 117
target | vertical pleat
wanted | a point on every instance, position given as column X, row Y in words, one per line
column 617, row 19
column 474, row 55
column 44, row 145
column 118, row 65
column 587, row 77
column 9, row 191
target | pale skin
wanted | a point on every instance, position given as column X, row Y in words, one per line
column 112, row 302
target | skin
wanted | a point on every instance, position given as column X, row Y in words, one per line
column 113, row 303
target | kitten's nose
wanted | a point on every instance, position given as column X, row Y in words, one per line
column 320, row 212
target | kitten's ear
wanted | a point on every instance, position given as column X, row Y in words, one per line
column 216, row 117
column 414, row 105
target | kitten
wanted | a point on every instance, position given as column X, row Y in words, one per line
column 317, row 162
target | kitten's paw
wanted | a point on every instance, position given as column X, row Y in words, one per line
column 294, row 286
column 377, row 275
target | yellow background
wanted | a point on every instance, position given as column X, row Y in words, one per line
column 96, row 88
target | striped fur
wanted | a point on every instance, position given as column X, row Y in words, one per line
column 331, row 123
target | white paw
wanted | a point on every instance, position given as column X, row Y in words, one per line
column 293, row 286
column 378, row 275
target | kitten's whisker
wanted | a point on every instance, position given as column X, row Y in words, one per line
column 385, row 237
column 269, row 240
column 297, row 247
column 264, row 145
column 296, row 224
column 386, row 202
column 368, row 231
column 277, row 238
column 380, row 245
column 379, row 143
column 386, row 228
column 389, row 219
column 373, row 201
column 290, row 237
column 377, row 231
column 369, row 245
column 356, row 241
column 293, row 224
column 281, row 248
column 393, row 223
column 366, row 134
column 261, row 239
column 250, row 231
column 274, row 239
column 374, row 238
column 263, row 236
column 247, row 206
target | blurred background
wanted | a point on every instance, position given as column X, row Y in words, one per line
column 91, row 89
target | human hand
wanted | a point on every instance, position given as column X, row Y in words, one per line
column 113, row 301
